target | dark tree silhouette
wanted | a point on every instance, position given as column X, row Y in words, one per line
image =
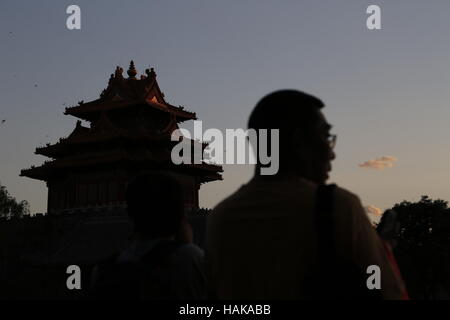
column 423, row 247
column 9, row 207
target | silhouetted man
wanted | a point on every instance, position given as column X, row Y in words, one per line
column 160, row 262
column 263, row 240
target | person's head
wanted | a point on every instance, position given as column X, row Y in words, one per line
column 305, row 145
column 155, row 205
column 389, row 226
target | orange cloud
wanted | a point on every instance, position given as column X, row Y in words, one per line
column 379, row 163
column 373, row 213
column 374, row 210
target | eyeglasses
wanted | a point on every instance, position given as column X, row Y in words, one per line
column 332, row 140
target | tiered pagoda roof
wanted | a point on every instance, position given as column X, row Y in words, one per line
column 125, row 93
column 111, row 139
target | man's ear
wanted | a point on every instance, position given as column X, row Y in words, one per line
column 298, row 145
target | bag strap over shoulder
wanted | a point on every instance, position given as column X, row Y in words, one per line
column 338, row 279
column 324, row 223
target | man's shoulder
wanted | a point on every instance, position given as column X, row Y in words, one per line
column 344, row 200
column 349, row 208
column 345, row 196
column 225, row 203
column 340, row 193
column 228, row 202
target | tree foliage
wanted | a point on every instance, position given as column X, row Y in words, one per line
column 423, row 246
column 9, row 207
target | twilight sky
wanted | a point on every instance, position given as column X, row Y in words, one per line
column 386, row 91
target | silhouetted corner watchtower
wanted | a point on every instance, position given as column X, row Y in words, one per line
column 129, row 133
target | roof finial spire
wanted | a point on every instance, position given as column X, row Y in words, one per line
column 150, row 73
column 118, row 72
column 132, row 70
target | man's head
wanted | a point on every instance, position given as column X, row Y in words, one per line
column 304, row 146
column 155, row 205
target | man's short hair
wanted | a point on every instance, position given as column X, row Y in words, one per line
column 286, row 110
column 155, row 204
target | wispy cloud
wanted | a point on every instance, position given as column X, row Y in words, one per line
column 373, row 210
column 373, row 213
column 379, row 163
